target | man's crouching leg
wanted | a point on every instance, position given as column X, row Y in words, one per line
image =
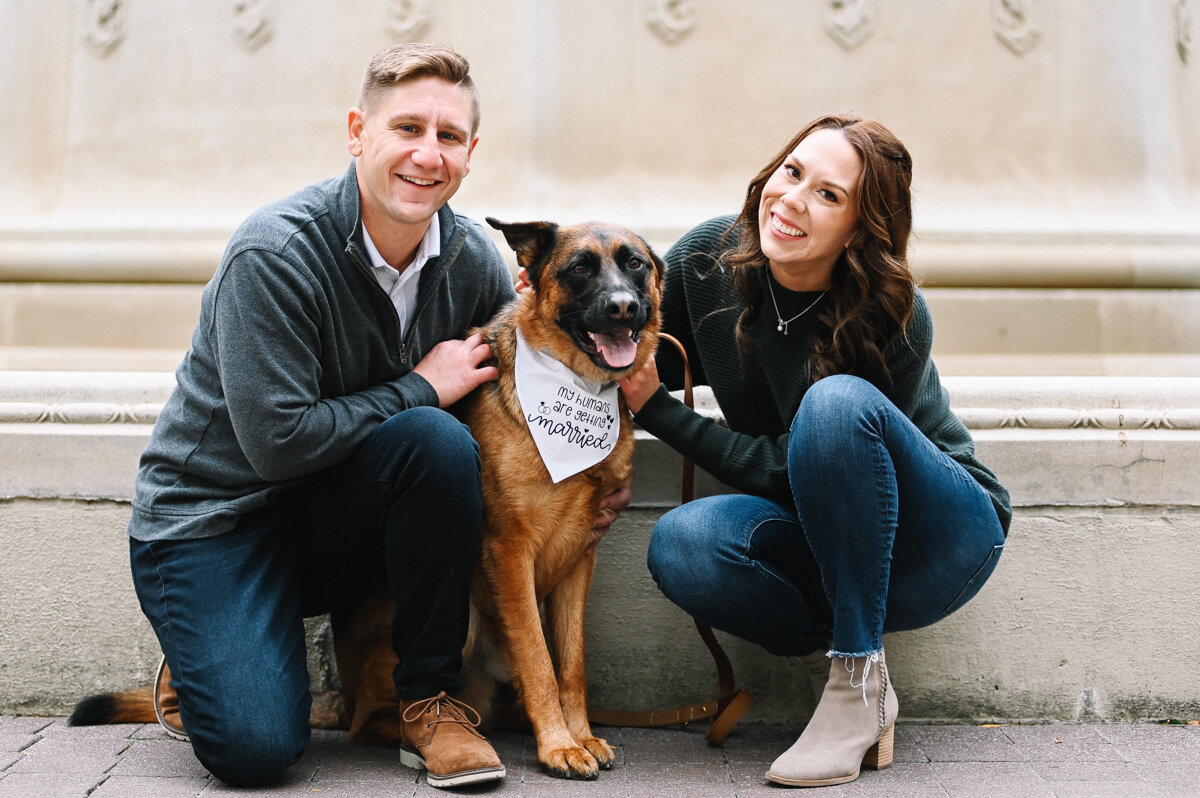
column 433, row 523
column 226, row 611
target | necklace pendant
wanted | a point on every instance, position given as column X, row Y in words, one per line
column 781, row 327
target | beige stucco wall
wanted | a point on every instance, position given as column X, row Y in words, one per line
column 1057, row 151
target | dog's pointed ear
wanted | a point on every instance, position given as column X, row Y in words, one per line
column 532, row 241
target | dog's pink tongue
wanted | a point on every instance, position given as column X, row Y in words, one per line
column 617, row 348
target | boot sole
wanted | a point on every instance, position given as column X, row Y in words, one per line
column 176, row 732
column 412, row 759
column 877, row 757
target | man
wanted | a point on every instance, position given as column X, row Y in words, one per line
column 304, row 457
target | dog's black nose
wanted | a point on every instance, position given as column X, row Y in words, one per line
column 621, row 307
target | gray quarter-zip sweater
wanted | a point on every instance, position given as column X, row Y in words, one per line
column 298, row 356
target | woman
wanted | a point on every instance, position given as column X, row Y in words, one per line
column 865, row 509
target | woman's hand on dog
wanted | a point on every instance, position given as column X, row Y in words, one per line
column 639, row 386
column 454, row 368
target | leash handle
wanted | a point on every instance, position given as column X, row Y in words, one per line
column 731, row 702
column 688, row 486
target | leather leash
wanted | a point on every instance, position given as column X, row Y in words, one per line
column 731, row 702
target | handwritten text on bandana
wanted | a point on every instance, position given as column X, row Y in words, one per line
column 573, row 421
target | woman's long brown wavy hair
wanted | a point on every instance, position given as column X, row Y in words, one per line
column 872, row 290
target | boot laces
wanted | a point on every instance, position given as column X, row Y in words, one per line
column 445, row 710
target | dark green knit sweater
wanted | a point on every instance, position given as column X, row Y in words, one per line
column 759, row 391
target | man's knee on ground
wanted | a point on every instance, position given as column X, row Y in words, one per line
column 251, row 757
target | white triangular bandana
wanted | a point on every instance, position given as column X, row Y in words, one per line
column 572, row 420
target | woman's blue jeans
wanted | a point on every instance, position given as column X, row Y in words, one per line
column 404, row 511
column 889, row 533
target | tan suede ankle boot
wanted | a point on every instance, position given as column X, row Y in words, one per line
column 851, row 728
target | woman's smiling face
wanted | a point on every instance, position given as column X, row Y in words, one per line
column 809, row 210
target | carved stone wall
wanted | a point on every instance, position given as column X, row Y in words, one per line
column 138, row 134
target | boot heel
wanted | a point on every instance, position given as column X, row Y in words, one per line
column 879, row 756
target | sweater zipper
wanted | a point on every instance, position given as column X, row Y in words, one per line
column 449, row 255
column 443, row 264
column 356, row 256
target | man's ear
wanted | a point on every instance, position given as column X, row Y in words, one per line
column 355, row 123
column 470, row 150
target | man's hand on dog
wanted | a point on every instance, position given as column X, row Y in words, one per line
column 454, row 368
column 522, row 280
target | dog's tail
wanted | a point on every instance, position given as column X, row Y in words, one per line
column 137, row 706
column 130, row 706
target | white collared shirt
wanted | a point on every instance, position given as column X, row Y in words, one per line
column 401, row 287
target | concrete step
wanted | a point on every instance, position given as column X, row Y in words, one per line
column 1097, row 581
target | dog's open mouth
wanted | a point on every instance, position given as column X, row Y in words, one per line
column 613, row 350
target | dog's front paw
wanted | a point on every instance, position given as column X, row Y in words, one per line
column 570, row 763
column 603, row 753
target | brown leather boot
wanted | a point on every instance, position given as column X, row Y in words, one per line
column 438, row 735
column 166, row 703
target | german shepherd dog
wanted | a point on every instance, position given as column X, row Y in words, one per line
column 593, row 306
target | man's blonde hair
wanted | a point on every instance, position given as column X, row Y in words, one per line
column 402, row 63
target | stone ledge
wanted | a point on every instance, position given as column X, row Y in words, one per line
column 143, row 250
column 78, row 435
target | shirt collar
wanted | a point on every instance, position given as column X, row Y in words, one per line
column 430, row 247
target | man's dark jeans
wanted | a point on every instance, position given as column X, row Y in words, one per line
column 404, row 511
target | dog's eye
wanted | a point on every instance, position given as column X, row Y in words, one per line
column 578, row 268
column 635, row 264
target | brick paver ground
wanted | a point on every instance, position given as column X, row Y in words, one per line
column 44, row 758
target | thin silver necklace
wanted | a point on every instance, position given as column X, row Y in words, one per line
column 782, row 325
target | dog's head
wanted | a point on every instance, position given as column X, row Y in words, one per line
column 596, row 287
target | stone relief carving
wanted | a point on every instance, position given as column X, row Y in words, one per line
column 409, row 19
column 672, row 19
column 1071, row 418
column 78, row 413
column 976, row 418
column 1016, row 23
column 103, row 25
column 1184, row 18
column 849, row 22
column 251, row 23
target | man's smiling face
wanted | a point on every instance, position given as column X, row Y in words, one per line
column 413, row 147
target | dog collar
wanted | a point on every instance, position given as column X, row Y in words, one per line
column 574, row 421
